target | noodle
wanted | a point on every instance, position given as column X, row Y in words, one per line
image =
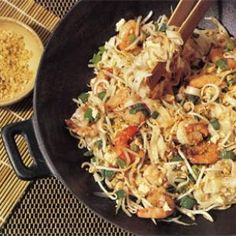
column 177, row 153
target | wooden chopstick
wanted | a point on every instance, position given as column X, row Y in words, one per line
column 186, row 15
column 194, row 18
column 181, row 12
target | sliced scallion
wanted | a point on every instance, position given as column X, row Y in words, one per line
column 228, row 155
column 102, row 95
column 88, row 115
column 121, row 163
column 120, row 194
column 215, row 123
column 109, row 174
column 222, row 64
column 187, row 202
column 83, row 97
column 230, row 45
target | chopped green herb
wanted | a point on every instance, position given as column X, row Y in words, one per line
column 132, row 38
column 163, row 27
column 120, row 194
column 194, row 99
column 84, row 97
column 98, row 144
column 88, row 115
column 215, row 123
column 134, row 147
column 88, row 154
column 97, row 56
column 228, row 155
column 222, row 64
column 109, row 174
column 102, row 95
column 176, row 157
column 188, row 202
column 155, row 115
column 140, row 107
column 195, row 35
column 230, row 45
column 93, row 159
column 121, row 163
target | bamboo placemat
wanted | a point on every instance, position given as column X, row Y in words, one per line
column 47, row 208
column 42, row 21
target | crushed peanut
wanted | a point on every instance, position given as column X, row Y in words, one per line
column 14, row 65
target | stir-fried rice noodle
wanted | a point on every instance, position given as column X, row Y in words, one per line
column 177, row 153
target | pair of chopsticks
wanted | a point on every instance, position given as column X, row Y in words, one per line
column 186, row 16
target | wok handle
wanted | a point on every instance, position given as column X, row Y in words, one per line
column 39, row 168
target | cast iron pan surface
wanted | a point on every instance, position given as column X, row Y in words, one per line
column 63, row 75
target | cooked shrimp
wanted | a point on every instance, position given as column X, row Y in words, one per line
column 162, row 206
column 127, row 34
column 197, row 132
column 191, row 133
column 133, row 119
column 218, row 53
column 203, row 153
column 120, row 96
column 90, row 131
column 122, row 141
column 232, row 62
column 155, row 176
column 102, row 76
column 200, row 80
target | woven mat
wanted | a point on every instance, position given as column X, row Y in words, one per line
column 45, row 207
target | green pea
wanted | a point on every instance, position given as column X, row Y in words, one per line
column 228, row 155
column 215, row 123
column 188, row 202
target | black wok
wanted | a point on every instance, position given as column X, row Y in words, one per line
column 63, row 74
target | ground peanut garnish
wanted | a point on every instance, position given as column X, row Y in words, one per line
column 14, row 65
